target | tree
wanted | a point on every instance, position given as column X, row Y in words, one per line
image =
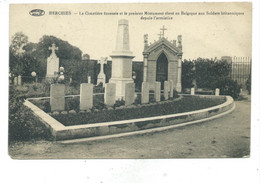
column 19, row 40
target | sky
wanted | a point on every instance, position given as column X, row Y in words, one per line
column 206, row 36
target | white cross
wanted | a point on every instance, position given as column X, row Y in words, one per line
column 53, row 48
column 102, row 61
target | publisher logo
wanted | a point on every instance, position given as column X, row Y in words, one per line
column 37, row 12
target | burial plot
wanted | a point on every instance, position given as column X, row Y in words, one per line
column 145, row 92
column 86, row 96
column 166, row 90
column 110, row 94
column 129, row 93
column 57, row 97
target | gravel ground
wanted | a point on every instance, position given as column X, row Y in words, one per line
column 228, row 136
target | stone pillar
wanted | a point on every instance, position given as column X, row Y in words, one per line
column 157, row 91
column 110, row 94
column 145, row 68
column 121, row 60
column 89, row 79
column 145, row 92
column 86, row 96
column 166, row 90
column 57, row 97
column 178, row 86
column 101, row 76
column 217, row 92
column 20, row 80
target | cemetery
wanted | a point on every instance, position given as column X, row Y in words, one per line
column 165, row 96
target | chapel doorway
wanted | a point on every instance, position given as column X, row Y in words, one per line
column 162, row 69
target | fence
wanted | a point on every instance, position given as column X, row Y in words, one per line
column 241, row 69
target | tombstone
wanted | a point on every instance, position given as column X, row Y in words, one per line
column 110, row 94
column 89, row 79
column 15, row 81
column 171, row 88
column 101, row 76
column 57, row 97
column 192, row 91
column 145, row 92
column 166, row 90
column 217, row 92
column 52, row 63
column 157, row 91
column 86, row 96
column 20, row 80
column 129, row 93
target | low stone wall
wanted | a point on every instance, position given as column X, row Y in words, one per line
column 61, row 132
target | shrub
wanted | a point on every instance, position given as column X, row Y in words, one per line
column 23, row 125
column 229, row 87
column 119, row 103
column 248, row 84
column 72, row 104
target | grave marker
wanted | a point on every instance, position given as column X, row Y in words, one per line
column 217, row 92
column 20, row 80
column 129, row 93
column 171, row 88
column 192, row 91
column 15, row 81
column 86, row 96
column 157, row 91
column 145, row 92
column 57, row 97
column 110, row 94
column 166, row 90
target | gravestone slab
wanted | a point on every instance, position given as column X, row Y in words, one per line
column 217, row 92
column 166, row 90
column 157, row 91
column 86, row 96
column 110, row 94
column 57, row 97
column 129, row 93
column 171, row 88
column 192, row 91
column 145, row 92
column 15, row 81
column 20, row 80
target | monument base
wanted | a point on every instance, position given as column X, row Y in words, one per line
column 101, row 79
column 120, row 86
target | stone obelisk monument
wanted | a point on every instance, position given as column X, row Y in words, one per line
column 121, row 60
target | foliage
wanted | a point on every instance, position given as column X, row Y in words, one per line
column 23, row 125
column 72, row 104
column 119, row 103
column 248, row 84
column 188, row 74
column 229, row 87
column 187, row 103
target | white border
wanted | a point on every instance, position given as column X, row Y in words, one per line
column 174, row 170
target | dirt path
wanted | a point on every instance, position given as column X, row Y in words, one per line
column 228, row 136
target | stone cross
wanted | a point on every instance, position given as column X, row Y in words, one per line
column 102, row 61
column 101, row 75
column 53, row 48
column 163, row 29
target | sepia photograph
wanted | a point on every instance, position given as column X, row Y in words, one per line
column 130, row 81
